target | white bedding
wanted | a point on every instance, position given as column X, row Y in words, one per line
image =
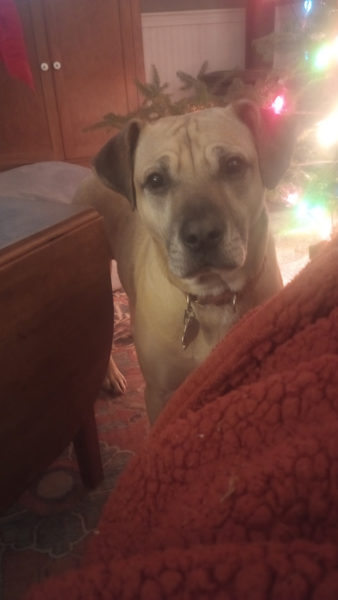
column 44, row 181
column 53, row 181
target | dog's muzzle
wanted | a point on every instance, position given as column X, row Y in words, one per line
column 203, row 241
column 201, row 235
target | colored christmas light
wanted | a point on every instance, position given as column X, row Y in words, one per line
column 308, row 6
column 311, row 197
column 323, row 57
column 278, row 104
column 326, row 54
column 314, row 216
column 292, row 198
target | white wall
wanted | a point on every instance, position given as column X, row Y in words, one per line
column 286, row 16
column 183, row 40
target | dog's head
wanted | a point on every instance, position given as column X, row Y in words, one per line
column 198, row 181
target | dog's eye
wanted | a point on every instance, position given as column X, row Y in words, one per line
column 154, row 181
column 233, row 166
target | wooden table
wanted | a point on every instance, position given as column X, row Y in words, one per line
column 56, row 326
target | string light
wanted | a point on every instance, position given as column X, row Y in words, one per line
column 292, row 198
column 278, row 104
column 326, row 54
column 308, row 6
column 313, row 208
column 323, row 57
column 314, row 216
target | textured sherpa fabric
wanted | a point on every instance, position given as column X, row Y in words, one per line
column 235, row 493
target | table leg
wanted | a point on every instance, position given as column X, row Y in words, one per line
column 86, row 446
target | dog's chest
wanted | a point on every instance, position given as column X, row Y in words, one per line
column 212, row 324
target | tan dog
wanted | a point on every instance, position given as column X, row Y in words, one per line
column 189, row 230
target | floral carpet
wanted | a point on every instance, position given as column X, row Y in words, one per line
column 45, row 532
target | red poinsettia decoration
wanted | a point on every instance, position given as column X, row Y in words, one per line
column 13, row 51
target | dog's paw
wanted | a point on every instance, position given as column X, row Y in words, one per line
column 114, row 381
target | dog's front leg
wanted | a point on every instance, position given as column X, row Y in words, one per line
column 114, row 380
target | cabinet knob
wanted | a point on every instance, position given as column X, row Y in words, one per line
column 44, row 66
column 56, row 65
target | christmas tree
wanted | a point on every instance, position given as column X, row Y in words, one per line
column 307, row 86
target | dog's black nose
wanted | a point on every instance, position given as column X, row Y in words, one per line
column 201, row 234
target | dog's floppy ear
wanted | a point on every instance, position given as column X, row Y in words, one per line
column 114, row 163
column 274, row 137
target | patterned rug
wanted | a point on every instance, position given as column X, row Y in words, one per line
column 46, row 530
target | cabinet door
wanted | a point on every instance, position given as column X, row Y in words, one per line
column 29, row 130
column 90, row 77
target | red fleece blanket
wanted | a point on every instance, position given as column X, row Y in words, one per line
column 235, row 493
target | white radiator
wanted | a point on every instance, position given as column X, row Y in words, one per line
column 284, row 16
column 183, row 40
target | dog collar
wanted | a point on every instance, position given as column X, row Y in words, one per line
column 191, row 323
column 227, row 297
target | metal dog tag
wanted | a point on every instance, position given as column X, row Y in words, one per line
column 190, row 325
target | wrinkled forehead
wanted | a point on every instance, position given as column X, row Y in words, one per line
column 195, row 139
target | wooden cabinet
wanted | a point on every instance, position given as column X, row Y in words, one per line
column 92, row 55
